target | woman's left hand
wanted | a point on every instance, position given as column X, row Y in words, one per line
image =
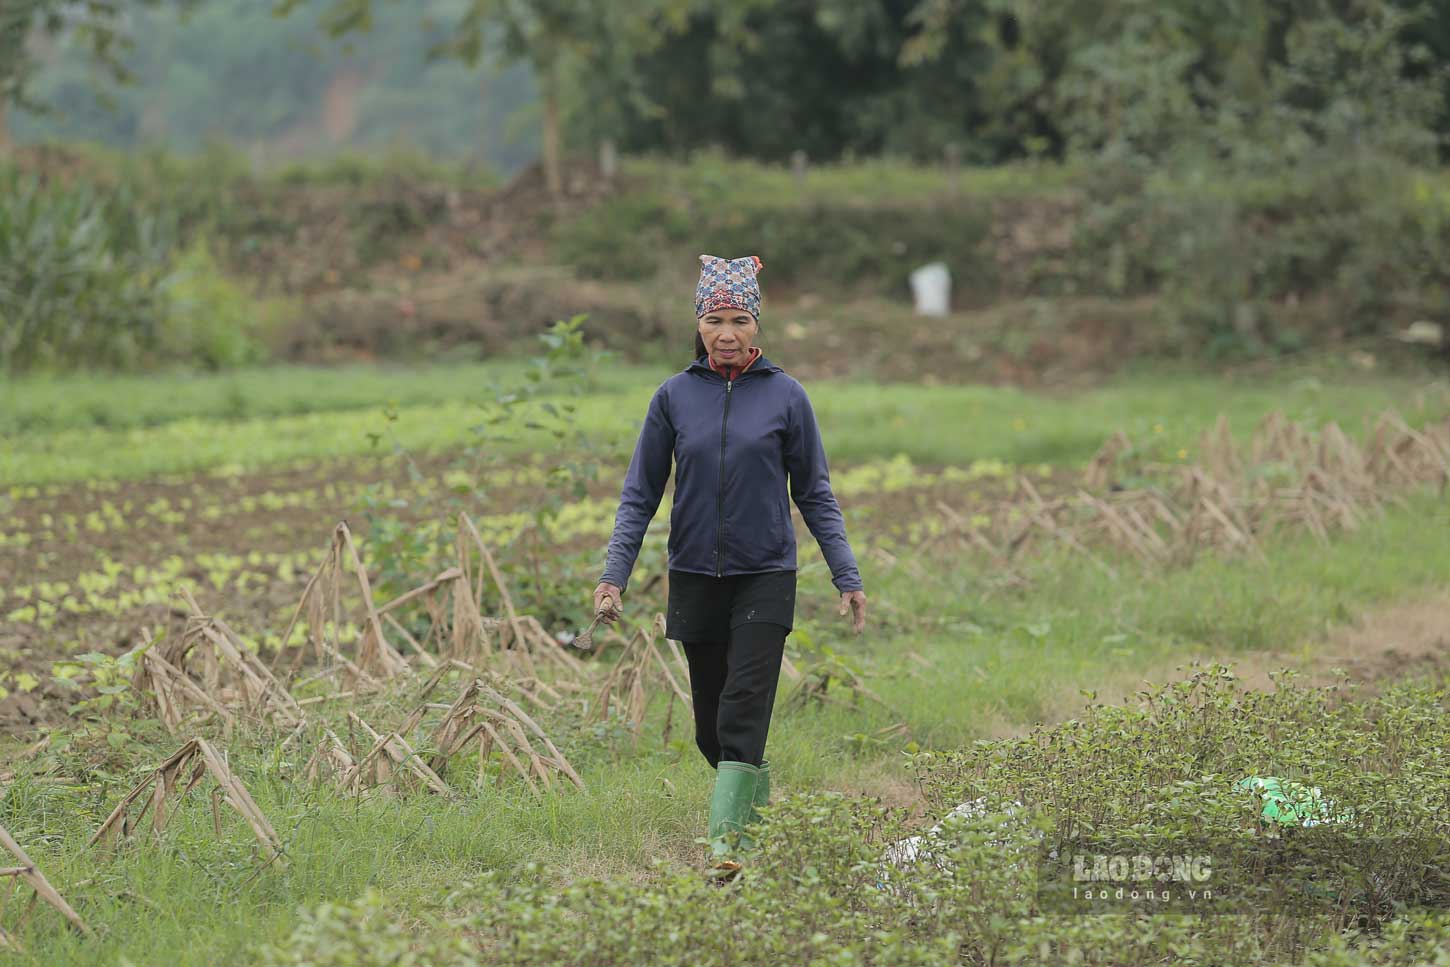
column 856, row 602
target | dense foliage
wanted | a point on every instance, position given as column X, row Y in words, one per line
column 763, row 78
column 80, row 276
column 824, row 889
column 1263, row 175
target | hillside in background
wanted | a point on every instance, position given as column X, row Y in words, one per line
column 279, row 88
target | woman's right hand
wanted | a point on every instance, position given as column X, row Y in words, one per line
column 607, row 603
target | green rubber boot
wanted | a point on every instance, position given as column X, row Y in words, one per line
column 762, row 797
column 762, row 789
column 730, row 806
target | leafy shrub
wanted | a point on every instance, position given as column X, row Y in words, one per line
column 1360, row 243
column 213, row 321
column 408, row 535
column 1170, row 767
column 87, row 279
column 362, row 934
column 1263, row 212
column 622, row 237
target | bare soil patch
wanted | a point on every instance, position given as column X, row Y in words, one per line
column 1410, row 637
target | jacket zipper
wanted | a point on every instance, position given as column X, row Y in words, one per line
column 720, row 492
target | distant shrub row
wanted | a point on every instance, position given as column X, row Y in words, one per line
column 104, row 262
column 1353, row 247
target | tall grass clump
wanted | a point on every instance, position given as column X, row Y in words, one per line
column 81, row 276
column 92, row 279
column 211, row 320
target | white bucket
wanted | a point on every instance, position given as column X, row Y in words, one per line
column 931, row 287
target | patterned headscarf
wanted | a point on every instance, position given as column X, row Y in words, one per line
column 728, row 284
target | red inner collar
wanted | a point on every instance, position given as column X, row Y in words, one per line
column 730, row 372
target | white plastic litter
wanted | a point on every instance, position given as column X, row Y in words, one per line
column 1423, row 333
column 925, row 847
column 931, row 287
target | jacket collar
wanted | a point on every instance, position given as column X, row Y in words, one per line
column 731, row 372
column 701, row 367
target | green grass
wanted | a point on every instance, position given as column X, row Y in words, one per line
column 995, row 657
column 40, row 405
column 78, row 428
column 1009, row 656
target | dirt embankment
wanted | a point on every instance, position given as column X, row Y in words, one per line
column 407, row 265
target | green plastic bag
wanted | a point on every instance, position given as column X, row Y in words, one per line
column 1290, row 803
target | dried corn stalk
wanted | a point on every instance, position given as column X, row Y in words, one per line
column 330, row 760
column 389, row 763
column 1284, row 477
column 165, row 788
column 1100, row 467
column 824, row 682
column 211, row 670
column 457, row 628
column 639, row 670
column 321, row 608
column 485, row 716
column 174, row 693
column 29, row 874
column 517, row 642
column 428, row 594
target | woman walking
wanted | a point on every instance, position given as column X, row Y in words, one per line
column 744, row 442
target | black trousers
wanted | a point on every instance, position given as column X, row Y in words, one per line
column 733, row 630
column 732, row 684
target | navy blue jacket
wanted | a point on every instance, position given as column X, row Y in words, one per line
column 734, row 443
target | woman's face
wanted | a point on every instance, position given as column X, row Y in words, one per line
column 728, row 334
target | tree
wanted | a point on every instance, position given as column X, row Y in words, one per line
column 99, row 25
column 558, row 39
column 1149, row 76
column 764, row 78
